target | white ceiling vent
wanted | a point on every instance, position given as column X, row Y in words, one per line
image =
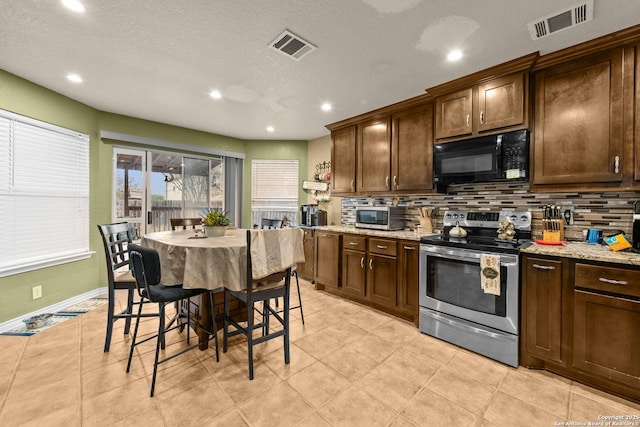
column 292, row 46
column 561, row 20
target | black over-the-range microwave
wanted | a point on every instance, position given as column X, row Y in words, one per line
column 492, row 158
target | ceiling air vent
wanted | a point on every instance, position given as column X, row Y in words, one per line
column 561, row 20
column 292, row 46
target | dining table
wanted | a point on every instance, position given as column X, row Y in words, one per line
column 190, row 259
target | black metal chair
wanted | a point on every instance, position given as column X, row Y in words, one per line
column 263, row 290
column 145, row 265
column 116, row 239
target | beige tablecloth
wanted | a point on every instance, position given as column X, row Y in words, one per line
column 216, row 262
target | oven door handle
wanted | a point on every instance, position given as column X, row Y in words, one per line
column 505, row 260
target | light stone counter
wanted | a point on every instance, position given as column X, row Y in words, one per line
column 585, row 251
column 398, row 234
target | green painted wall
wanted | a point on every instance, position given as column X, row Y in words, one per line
column 68, row 280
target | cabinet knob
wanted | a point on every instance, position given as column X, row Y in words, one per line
column 616, row 164
column 371, row 264
column 354, row 243
column 381, row 246
column 395, row 180
column 352, row 184
column 543, row 267
column 362, row 262
column 386, row 181
column 481, row 118
column 467, row 120
column 409, row 248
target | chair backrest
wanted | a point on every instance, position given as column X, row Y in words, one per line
column 270, row 223
column 184, row 223
column 116, row 239
column 145, row 267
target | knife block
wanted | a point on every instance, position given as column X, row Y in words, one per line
column 553, row 230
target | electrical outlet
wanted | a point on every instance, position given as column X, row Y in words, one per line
column 37, row 292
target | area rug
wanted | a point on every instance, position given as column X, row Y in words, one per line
column 59, row 317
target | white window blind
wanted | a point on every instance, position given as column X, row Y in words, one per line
column 44, row 194
column 274, row 189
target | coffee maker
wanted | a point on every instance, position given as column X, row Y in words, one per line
column 312, row 216
column 636, row 227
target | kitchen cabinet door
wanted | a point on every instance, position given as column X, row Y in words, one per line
column 606, row 336
column 353, row 273
column 374, row 155
column 327, row 259
column 579, row 121
column 453, row 114
column 381, row 279
column 412, row 149
column 343, row 160
column 501, row 102
column 408, row 277
column 306, row 269
column 542, row 308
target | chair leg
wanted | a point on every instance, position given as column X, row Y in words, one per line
column 110, row 308
column 287, row 303
column 214, row 325
column 250, row 336
column 127, row 321
column 155, row 360
column 299, row 296
column 135, row 335
column 225, row 318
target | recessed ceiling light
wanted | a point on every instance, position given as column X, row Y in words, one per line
column 74, row 5
column 74, row 78
column 454, row 55
column 270, row 129
column 326, row 107
column 215, row 94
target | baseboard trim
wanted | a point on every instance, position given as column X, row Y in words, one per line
column 13, row 323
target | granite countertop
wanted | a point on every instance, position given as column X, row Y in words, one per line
column 397, row 234
column 586, row 251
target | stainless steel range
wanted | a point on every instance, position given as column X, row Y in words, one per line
column 469, row 286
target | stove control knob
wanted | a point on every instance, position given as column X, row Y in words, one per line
column 455, row 216
column 524, row 218
column 462, row 216
column 513, row 218
column 448, row 216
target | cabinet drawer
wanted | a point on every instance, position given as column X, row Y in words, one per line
column 382, row 246
column 355, row 242
column 608, row 279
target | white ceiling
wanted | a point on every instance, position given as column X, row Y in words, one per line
column 158, row 60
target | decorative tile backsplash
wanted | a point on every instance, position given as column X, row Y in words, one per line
column 607, row 211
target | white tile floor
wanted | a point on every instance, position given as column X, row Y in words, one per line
column 350, row 365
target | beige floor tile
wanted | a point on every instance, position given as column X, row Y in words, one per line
column 319, row 344
column 396, row 331
column 150, row 417
column 315, row 420
column 506, row 410
column 231, row 418
column 429, row 408
column 373, row 346
column 539, row 393
column 235, row 381
column 354, row 407
column 204, row 402
column 65, row 416
column 471, row 394
column 299, row 360
column 543, row 375
column 281, row 405
column 479, row 367
column 368, row 320
column 588, row 410
column 401, row 421
column 350, row 363
column 318, row 383
column 345, row 332
column 389, row 385
column 118, row 404
column 433, row 348
column 606, row 398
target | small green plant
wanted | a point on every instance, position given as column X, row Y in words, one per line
column 215, row 218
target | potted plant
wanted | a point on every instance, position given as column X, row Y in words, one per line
column 215, row 223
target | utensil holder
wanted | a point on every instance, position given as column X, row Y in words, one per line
column 426, row 224
column 553, row 230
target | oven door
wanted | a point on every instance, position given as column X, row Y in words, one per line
column 450, row 284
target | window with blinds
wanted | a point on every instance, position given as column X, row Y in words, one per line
column 44, row 194
column 274, row 190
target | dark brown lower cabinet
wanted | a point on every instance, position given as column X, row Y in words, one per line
column 353, row 273
column 408, row 277
column 381, row 279
column 606, row 337
column 327, row 259
column 582, row 320
column 542, row 285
